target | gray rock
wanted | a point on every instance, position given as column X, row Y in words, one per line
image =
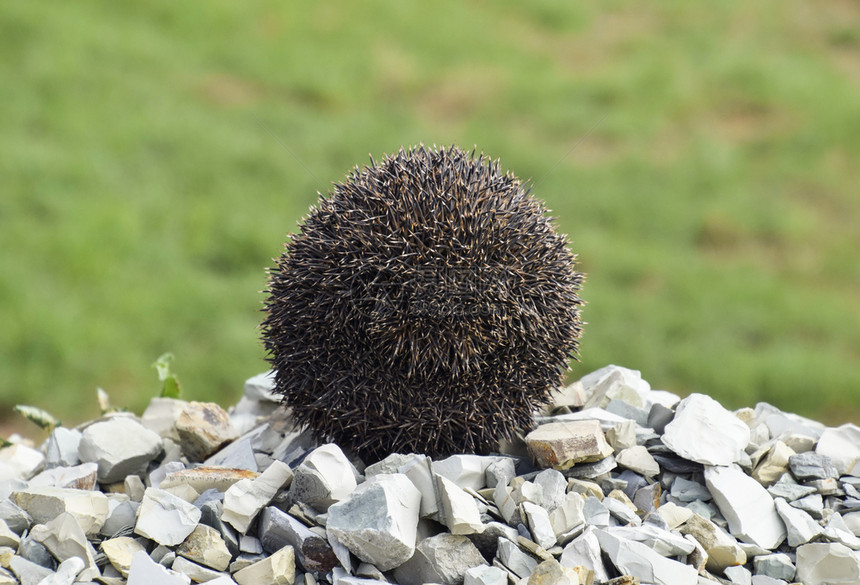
column 842, row 445
column 165, row 518
column 262, row 388
column 377, row 520
column 66, row 572
column 443, row 559
column 687, row 491
column 118, row 459
column 20, row 462
column 538, row 522
column 636, row 559
column 789, row 490
column 554, row 485
column 812, row 505
column 122, row 516
column 457, row 509
column 278, row 529
column 466, row 471
column 161, row 415
column 277, row 569
column 738, row 575
column 778, row 566
column 501, row 470
column 810, row 465
column 15, row 518
column 658, row 417
column 585, row 551
column 325, row 476
column 747, row 506
column 596, row 514
column 237, row 455
column 485, row 575
column 663, row 542
column 766, row 580
column 417, row 469
column 487, row 541
column 621, row 511
column 210, row 515
column 390, row 464
column 705, row 432
column 568, row 515
column 827, row 564
column 205, row 546
column 592, row 470
column 245, row 498
column 145, row 571
column 514, row 558
column 61, row 448
column 27, row 572
column 43, row 504
column 65, row 539
column 627, row 410
column 800, row 526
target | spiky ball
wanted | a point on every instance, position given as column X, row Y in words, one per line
column 426, row 305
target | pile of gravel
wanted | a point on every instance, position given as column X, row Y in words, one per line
column 617, row 483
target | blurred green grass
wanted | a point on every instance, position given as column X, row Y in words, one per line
column 154, row 156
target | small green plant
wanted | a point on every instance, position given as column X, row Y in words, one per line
column 42, row 418
column 169, row 381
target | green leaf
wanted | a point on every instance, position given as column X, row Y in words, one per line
column 5, row 443
column 169, row 381
column 42, row 418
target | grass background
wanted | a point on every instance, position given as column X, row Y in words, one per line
column 702, row 158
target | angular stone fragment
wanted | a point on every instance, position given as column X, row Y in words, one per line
column 459, row 511
column 638, row 459
column 585, row 551
column 205, row 478
column 203, row 428
column 774, row 464
column 78, row 477
column 118, row 458
column 161, row 415
column 245, row 498
column 738, row 575
column 61, row 449
column 165, row 518
column 262, row 388
column 65, row 539
column 827, row 564
column 622, row 512
column 810, row 465
column 614, row 382
column 568, row 515
column 485, row 575
column 66, row 573
column 663, row 542
column 705, row 432
column 443, row 559
column 43, row 504
column 842, row 445
column 417, row 469
column 538, row 522
column 205, row 546
column 325, row 476
column 592, row 470
column 145, row 571
column 561, row 445
column 674, row 515
column 723, row 551
column 278, row 529
column 466, row 471
column 278, row 569
column 776, row 565
column 638, row 560
column 550, row 572
column 501, row 470
column 27, row 572
column 377, row 521
column 120, row 551
column 19, row 462
column 237, row 455
column 196, row 572
column 746, row 505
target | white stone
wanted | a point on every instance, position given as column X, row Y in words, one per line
column 554, row 485
column 842, row 445
column 704, row 431
column 377, row 521
column 800, row 526
column 197, row 572
column 165, row 518
column 245, row 498
column 485, row 575
column 568, row 515
column 118, row 458
column 663, row 542
column 65, row 539
column 738, row 575
column 161, row 415
column 827, row 564
column 837, row 531
column 262, row 388
column 458, row 510
column 747, row 506
column 90, row 508
column 621, row 511
column 852, row 522
column 145, row 571
column 639, row 460
column 636, row 559
column 7, row 537
column 417, row 469
column 66, row 573
column 443, row 559
column 325, row 476
column 723, row 550
column 61, row 448
column 502, row 470
column 467, row 471
column 79, row 477
column 614, row 382
column 538, row 522
column 513, row 557
column 673, row 514
column 777, row 565
column 120, row 551
column 278, row 569
column 27, row 572
column 585, row 551
column 19, row 462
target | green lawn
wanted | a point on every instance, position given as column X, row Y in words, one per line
column 155, row 155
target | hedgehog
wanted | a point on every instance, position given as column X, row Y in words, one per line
column 427, row 304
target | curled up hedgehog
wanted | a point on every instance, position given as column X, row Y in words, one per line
column 426, row 305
